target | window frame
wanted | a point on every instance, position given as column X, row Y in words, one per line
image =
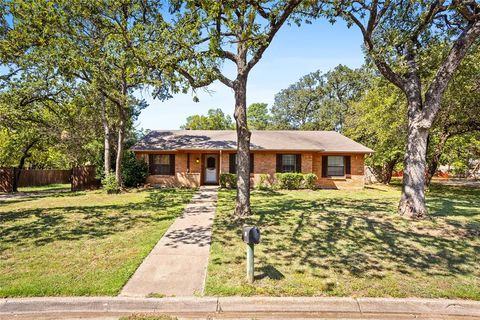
column 280, row 166
column 232, row 162
column 343, row 166
column 162, row 169
column 292, row 156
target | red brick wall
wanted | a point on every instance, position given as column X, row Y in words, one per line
column 307, row 162
column 182, row 178
column 264, row 163
column 354, row 181
column 225, row 162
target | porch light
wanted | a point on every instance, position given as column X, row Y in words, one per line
column 197, row 160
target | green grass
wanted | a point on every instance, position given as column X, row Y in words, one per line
column 350, row 243
column 86, row 243
column 46, row 188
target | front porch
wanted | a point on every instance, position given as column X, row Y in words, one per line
column 188, row 169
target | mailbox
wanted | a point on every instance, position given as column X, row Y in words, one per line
column 251, row 235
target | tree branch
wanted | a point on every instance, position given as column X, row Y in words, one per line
column 261, row 11
column 274, row 27
column 435, row 7
column 463, row 8
column 194, row 82
column 223, row 79
column 446, row 71
column 381, row 64
column 228, row 55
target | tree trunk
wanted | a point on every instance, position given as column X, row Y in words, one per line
column 412, row 202
column 383, row 173
column 242, row 203
column 121, row 129
column 475, row 169
column 26, row 154
column 387, row 176
column 434, row 162
column 121, row 139
column 106, row 138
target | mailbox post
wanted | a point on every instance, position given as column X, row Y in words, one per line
column 251, row 236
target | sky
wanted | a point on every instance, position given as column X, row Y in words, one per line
column 294, row 52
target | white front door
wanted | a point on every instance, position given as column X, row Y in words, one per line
column 211, row 169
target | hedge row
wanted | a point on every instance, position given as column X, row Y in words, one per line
column 290, row 181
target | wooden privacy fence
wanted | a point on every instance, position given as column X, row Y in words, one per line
column 36, row 177
column 7, row 179
column 83, row 178
column 80, row 178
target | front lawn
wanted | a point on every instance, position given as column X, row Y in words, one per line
column 350, row 243
column 47, row 188
column 85, row 243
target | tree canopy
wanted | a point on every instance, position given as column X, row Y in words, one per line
column 215, row 119
column 319, row 101
column 108, row 50
column 417, row 46
column 258, row 116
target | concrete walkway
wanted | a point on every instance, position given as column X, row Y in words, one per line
column 177, row 265
column 239, row 308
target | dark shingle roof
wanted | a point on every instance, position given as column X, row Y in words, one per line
column 328, row 141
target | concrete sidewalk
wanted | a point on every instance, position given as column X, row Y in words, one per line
column 177, row 264
column 239, row 308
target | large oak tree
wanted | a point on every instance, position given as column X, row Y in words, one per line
column 239, row 32
column 398, row 36
column 116, row 48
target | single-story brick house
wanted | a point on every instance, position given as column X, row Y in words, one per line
column 192, row 158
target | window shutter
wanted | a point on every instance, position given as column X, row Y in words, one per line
column 252, row 161
column 324, row 166
column 348, row 165
column 231, row 163
column 150, row 164
column 298, row 161
column 172, row 164
column 279, row 163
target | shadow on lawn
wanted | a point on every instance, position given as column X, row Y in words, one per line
column 363, row 237
column 40, row 226
column 29, row 196
column 271, row 272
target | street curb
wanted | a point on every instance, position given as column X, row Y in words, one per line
column 420, row 306
column 287, row 304
column 109, row 304
column 239, row 305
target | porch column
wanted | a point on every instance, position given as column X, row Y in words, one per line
column 220, row 162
